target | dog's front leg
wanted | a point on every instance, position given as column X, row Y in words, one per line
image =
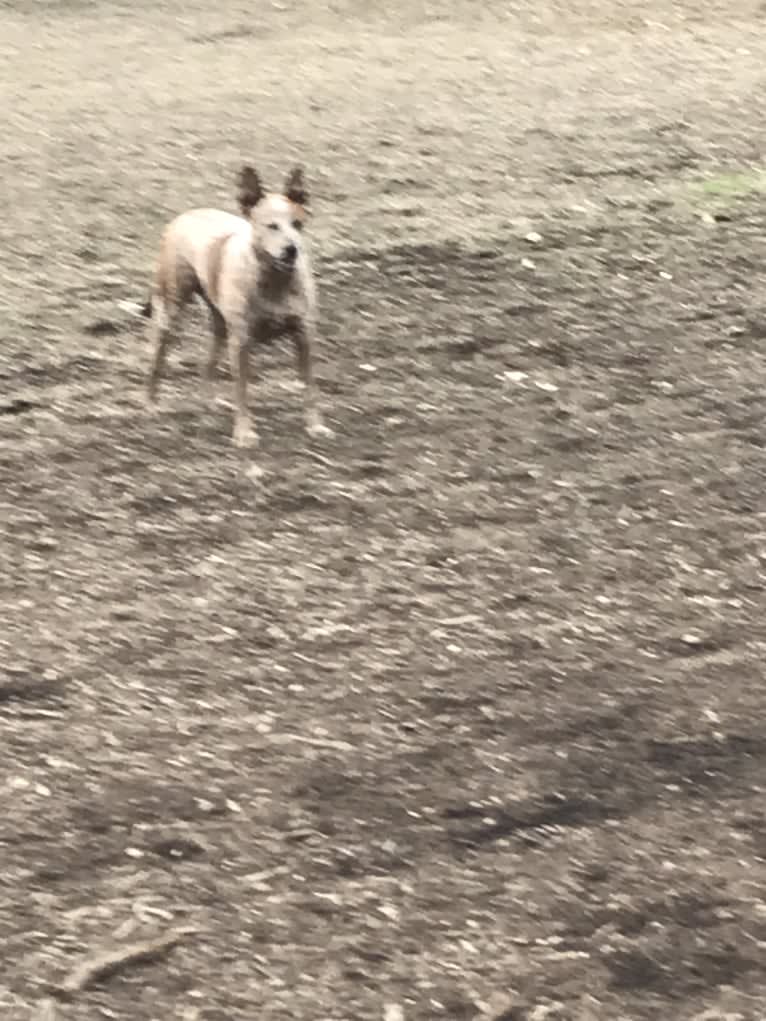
column 239, row 352
column 304, row 336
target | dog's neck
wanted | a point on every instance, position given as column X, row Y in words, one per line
column 274, row 284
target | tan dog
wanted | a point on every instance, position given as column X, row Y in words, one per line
column 253, row 273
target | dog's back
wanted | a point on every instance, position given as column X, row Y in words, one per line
column 195, row 243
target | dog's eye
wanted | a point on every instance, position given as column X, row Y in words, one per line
column 297, row 224
column 273, row 226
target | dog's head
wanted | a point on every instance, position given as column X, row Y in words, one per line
column 277, row 219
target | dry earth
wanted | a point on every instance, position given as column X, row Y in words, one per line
column 462, row 714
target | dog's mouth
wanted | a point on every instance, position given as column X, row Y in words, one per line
column 281, row 264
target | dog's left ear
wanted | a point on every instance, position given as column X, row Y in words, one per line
column 250, row 190
column 295, row 187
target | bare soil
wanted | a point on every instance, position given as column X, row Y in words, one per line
column 461, row 714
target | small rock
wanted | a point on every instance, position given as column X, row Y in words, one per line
column 691, row 639
column 533, row 237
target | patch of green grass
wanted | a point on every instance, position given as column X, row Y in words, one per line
column 733, row 184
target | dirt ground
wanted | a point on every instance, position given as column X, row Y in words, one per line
column 459, row 715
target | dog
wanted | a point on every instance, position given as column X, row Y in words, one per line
column 254, row 274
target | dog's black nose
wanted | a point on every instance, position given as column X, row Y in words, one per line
column 290, row 253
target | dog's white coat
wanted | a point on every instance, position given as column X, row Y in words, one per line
column 255, row 275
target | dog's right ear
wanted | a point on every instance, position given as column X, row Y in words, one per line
column 250, row 189
column 295, row 187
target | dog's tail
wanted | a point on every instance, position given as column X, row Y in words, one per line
column 138, row 309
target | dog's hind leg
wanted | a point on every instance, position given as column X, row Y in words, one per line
column 303, row 338
column 163, row 321
column 168, row 303
column 218, row 339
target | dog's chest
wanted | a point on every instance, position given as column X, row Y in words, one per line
column 272, row 318
column 266, row 329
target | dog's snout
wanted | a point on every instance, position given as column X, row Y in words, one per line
column 291, row 252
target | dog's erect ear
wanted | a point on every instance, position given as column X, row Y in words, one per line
column 250, row 189
column 295, row 187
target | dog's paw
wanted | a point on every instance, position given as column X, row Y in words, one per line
column 319, row 431
column 244, row 435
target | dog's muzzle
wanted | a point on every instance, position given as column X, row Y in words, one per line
column 287, row 259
